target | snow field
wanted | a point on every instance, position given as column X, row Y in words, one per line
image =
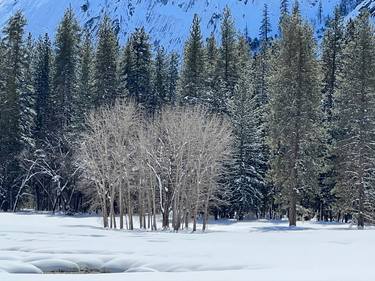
column 260, row 250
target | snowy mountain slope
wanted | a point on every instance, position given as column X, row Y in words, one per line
column 166, row 20
column 367, row 4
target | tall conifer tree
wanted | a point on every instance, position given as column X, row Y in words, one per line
column 86, row 81
column 295, row 112
column 160, row 87
column 355, row 117
column 246, row 178
column 173, row 64
column 265, row 28
column 332, row 47
column 42, row 86
column 125, row 67
column 14, row 106
column 216, row 94
column 192, row 81
column 228, row 60
column 332, row 55
column 27, row 97
column 106, row 82
column 65, row 76
column 139, row 76
column 284, row 7
column 3, row 131
column 284, row 10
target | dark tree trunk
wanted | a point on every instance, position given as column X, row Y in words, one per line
column 293, row 209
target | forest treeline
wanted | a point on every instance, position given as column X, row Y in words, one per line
column 224, row 130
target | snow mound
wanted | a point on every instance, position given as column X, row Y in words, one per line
column 36, row 257
column 119, row 265
column 56, row 265
column 89, row 264
column 141, row 269
column 166, row 266
column 18, row 267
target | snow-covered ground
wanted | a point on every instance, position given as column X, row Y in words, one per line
column 258, row 250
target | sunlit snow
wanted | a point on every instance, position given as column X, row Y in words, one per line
column 168, row 22
column 257, row 250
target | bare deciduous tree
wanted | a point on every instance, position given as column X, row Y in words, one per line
column 169, row 166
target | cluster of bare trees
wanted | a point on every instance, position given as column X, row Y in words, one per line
column 169, row 166
column 49, row 178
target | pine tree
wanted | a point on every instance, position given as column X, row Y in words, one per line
column 247, row 37
column 246, row 181
column 349, row 32
column 15, row 107
column 284, row 7
column 27, row 97
column 284, row 11
column 262, row 60
column 139, row 72
column 42, row 86
column 172, row 78
column 106, row 83
column 125, row 67
column 86, row 81
column 332, row 47
column 262, row 70
column 3, row 131
column 227, row 58
column 65, row 76
column 160, row 87
column 295, row 111
column 244, row 58
column 64, row 112
column 191, row 88
column 2, row 76
column 265, row 28
column 216, row 94
column 14, row 71
column 355, row 116
column 331, row 60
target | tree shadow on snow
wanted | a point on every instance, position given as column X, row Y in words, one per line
column 84, row 226
column 281, row 228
